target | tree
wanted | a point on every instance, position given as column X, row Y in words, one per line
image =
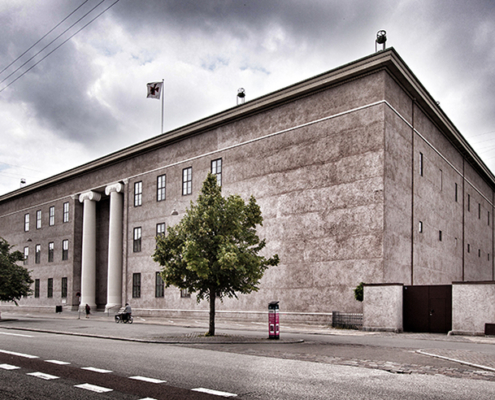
column 15, row 281
column 214, row 249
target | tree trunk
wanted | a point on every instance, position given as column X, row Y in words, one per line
column 211, row 332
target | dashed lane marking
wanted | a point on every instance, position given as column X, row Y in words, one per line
column 58, row 362
column 214, row 392
column 8, row 367
column 101, row 371
column 14, row 334
column 145, row 379
column 46, row 377
column 13, row 353
column 94, row 388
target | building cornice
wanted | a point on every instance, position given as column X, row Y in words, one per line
column 388, row 60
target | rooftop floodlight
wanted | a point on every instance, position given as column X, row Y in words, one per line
column 241, row 96
column 381, row 38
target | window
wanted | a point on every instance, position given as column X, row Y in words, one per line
column 456, row 197
column 66, row 212
column 160, row 188
column 36, row 288
column 49, row 292
column 51, row 221
column 138, row 194
column 136, row 285
column 64, row 288
column 137, row 240
column 469, row 203
column 186, row 181
column 26, row 223
column 38, row 219
column 440, row 235
column 160, row 229
column 216, row 169
column 26, row 255
column 184, row 293
column 469, row 248
column 421, row 164
column 159, row 285
column 479, row 211
column 50, row 251
column 420, row 227
column 488, row 217
column 65, row 249
column 37, row 254
column 479, row 252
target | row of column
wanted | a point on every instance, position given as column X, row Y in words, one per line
column 88, row 263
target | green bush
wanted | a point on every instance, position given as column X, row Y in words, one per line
column 358, row 292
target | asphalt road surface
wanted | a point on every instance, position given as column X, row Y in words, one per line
column 36, row 365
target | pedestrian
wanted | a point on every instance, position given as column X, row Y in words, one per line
column 88, row 310
column 127, row 312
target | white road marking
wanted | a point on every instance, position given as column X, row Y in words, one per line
column 13, row 353
column 214, row 392
column 41, row 375
column 101, row 371
column 14, row 334
column 8, row 366
column 145, row 379
column 58, row 362
column 148, row 398
column 94, row 388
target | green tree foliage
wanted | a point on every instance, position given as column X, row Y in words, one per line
column 213, row 250
column 359, row 292
column 15, row 280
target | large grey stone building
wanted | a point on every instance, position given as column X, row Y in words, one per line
column 359, row 173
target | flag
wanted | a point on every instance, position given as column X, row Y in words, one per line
column 155, row 90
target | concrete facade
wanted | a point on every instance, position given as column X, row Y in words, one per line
column 382, row 307
column 346, row 166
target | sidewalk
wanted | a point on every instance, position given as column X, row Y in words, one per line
column 458, row 356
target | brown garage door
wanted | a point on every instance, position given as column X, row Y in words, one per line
column 428, row 308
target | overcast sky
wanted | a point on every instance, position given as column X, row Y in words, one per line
column 88, row 98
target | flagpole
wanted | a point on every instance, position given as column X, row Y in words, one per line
column 163, row 97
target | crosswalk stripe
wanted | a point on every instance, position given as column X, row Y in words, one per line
column 8, row 367
column 214, row 392
column 101, row 371
column 145, row 379
column 58, row 362
column 13, row 353
column 93, row 388
column 41, row 375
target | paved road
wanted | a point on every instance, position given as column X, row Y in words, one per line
column 185, row 367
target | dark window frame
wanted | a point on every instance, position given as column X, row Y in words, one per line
column 51, row 216
column 138, row 194
column 51, row 250
column 136, row 239
column 37, row 254
column 49, row 288
column 26, row 255
column 63, row 288
column 161, row 187
column 38, row 219
column 26, row 222
column 187, row 181
column 36, row 288
column 65, row 249
column 216, row 169
column 136, row 285
column 159, row 285
column 66, row 212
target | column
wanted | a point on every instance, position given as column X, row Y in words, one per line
column 114, row 278
column 88, row 263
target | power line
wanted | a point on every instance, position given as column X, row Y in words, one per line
column 12, row 73
column 44, row 36
column 56, row 48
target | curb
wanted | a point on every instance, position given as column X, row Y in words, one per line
column 201, row 340
column 457, row 361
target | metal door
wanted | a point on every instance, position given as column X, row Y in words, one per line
column 427, row 308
